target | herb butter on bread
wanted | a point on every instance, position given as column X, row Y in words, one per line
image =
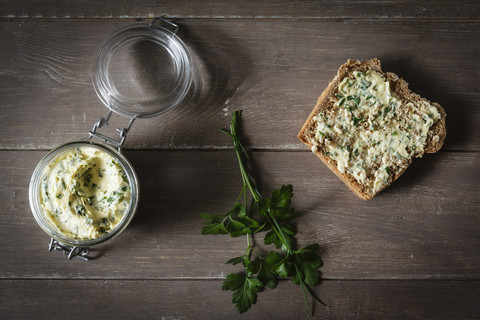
column 367, row 126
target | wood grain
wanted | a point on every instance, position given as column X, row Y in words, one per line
column 127, row 299
column 410, row 253
column 279, row 9
column 425, row 226
column 273, row 70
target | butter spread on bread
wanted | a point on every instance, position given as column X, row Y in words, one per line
column 367, row 126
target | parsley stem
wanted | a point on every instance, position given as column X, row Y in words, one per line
column 241, row 193
column 303, row 290
column 278, row 230
column 240, row 150
column 249, row 247
column 247, row 181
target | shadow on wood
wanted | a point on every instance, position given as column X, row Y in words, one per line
column 200, row 183
column 216, row 79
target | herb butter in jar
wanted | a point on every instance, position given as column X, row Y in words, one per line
column 83, row 193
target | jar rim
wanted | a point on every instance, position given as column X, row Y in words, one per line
column 35, row 184
column 178, row 56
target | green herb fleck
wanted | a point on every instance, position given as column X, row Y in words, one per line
column 357, row 120
column 355, row 99
column 91, row 200
column 80, row 210
column 364, row 84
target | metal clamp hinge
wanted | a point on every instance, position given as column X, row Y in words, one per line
column 104, row 122
column 78, row 252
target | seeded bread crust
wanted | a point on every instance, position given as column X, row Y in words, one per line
column 397, row 85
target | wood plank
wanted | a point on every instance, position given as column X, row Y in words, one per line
column 425, row 226
column 331, row 9
column 125, row 299
column 274, row 70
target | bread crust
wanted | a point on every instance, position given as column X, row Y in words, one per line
column 397, row 85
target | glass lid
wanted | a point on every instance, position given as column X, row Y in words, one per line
column 143, row 70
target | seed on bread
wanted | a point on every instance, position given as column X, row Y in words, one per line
column 367, row 126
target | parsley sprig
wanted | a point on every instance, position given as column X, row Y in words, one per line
column 271, row 215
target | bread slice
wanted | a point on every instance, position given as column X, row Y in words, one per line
column 370, row 138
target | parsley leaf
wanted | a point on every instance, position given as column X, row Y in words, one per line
column 245, row 290
column 236, row 222
column 279, row 204
column 235, row 261
column 275, row 237
column 307, row 264
column 267, row 272
column 214, row 224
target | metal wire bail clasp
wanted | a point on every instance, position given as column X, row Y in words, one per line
column 104, row 122
column 71, row 252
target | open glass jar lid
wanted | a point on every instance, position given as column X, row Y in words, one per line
column 84, row 192
column 143, row 70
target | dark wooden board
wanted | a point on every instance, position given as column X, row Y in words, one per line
column 425, row 226
column 311, row 9
column 410, row 253
column 274, row 70
column 139, row 299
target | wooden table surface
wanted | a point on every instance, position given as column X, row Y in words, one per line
column 413, row 252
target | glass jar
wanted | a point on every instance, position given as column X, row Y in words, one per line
column 39, row 175
column 130, row 84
